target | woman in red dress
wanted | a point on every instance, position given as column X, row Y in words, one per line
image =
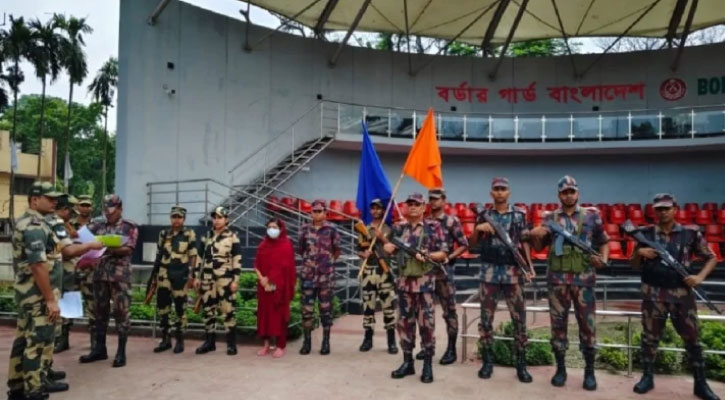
column 275, row 268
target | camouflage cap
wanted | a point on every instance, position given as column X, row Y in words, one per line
column 437, row 193
column 112, row 201
column 43, row 189
column 567, row 182
column 664, row 200
column 85, row 200
column 319, row 205
column 220, row 211
column 500, row 182
column 377, row 202
column 178, row 210
column 66, row 201
column 415, row 197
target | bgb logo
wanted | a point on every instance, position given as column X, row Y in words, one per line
column 673, row 89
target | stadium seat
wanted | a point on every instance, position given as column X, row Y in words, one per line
column 691, row 208
column 683, row 217
column 649, row 212
column 304, row 206
column 488, row 206
column 612, row 231
column 536, row 206
column 634, row 206
column 453, row 212
column 616, row 216
column 473, row 206
column 403, row 207
column 703, row 217
column 460, row 206
column 715, row 247
column 631, row 244
column 637, row 216
column 539, row 255
column 350, row 209
column 721, row 217
column 710, row 206
column 468, row 216
column 273, row 203
column 551, row 206
column 714, row 233
column 537, row 217
column 619, row 206
column 289, row 203
column 587, row 205
column 447, row 208
column 468, row 228
column 615, row 250
column 335, row 211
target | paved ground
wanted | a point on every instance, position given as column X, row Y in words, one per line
column 345, row 374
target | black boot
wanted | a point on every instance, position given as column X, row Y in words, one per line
column 120, row 359
column 420, row 355
column 93, row 336
column 307, row 343
column 392, row 346
column 165, row 343
column 56, row 375
column 209, row 343
column 449, row 357
column 406, row 368
column 61, row 341
column 179, row 346
column 367, row 343
column 232, row 342
column 647, row 382
column 98, row 351
column 427, row 375
column 487, row 367
column 702, row 389
column 17, row 395
column 590, row 382
column 50, row 386
column 35, row 396
column 521, row 371
column 325, row 347
column 559, row 378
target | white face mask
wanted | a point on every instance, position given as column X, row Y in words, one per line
column 273, row 233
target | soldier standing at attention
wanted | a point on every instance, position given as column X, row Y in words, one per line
column 319, row 246
column 217, row 281
column 376, row 283
column 112, row 281
column 445, row 286
column 175, row 253
column 664, row 292
column 84, row 276
column 416, row 284
column 500, row 274
column 571, row 277
column 64, row 210
column 37, row 249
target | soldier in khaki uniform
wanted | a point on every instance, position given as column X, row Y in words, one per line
column 84, row 276
column 216, row 280
column 37, row 246
column 65, row 210
column 175, row 253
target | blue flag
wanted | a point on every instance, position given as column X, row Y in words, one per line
column 372, row 182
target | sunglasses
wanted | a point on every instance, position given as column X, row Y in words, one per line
column 413, row 204
column 663, row 209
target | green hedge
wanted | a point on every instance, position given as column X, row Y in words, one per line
column 537, row 353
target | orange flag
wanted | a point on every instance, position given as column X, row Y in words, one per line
column 424, row 160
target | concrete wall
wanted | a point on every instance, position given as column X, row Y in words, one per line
column 227, row 103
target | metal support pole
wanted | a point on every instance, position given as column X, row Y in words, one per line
column 294, row 17
column 493, row 25
column 407, row 37
column 685, row 33
column 629, row 345
column 354, row 25
column 246, row 27
column 464, row 338
column 151, row 20
column 565, row 36
column 519, row 14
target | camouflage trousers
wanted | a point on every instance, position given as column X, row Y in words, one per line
column 85, row 286
column 46, row 357
column 323, row 295
column 118, row 293
column 445, row 292
column 560, row 300
column 514, row 295
column 377, row 284
column 684, row 319
column 412, row 308
column 168, row 293
column 33, row 334
column 217, row 298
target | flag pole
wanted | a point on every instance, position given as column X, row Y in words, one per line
column 382, row 222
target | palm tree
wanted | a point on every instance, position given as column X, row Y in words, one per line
column 44, row 54
column 73, row 60
column 15, row 46
column 103, row 89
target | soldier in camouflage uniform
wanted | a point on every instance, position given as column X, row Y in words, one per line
column 37, row 248
column 84, row 276
column 665, row 293
column 571, row 277
column 64, row 210
column 500, row 274
column 216, row 280
column 175, row 253
column 445, row 290
column 416, row 283
column 319, row 246
column 112, row 281
column 377, row 283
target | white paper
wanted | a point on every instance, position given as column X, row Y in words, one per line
column 94, row 254
column 71, row 305
column 85, row 235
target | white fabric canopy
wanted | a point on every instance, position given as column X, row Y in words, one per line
column 448, row 18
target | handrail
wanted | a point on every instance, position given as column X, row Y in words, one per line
column 267, row 143
column 350, row 217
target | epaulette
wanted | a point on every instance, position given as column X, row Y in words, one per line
column 520, row 209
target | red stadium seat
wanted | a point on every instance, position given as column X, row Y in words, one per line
column 631, row 244
column 551, row 206
column 714, row 233
column 612, row 231
column 447, row 208
column 587, row 205
column 710, row 206
column 691, row 208
column 537, row 217
column 537, row 206
column 453, row 212
column 350, row 209
column 683, row 217
column 539, row 255
column 468, row 216
column 634, row 206
column 715, row 247
column 721, row 217
column 703, row 217
column 289, row 203
column 619, row 206
column 273, row 204
column 468, row 228
column 472, row 206
column 403, row 207
column 304, row 207
column 615, row 250
column 616, row 216
column 488, row 206
column 460, row 206
column 335, row 210
column 649, row 212
column 637, row 216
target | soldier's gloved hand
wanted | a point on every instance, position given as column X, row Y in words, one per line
column 234, row 286
column 647, row 252
column 693, row 280
column 53, row 311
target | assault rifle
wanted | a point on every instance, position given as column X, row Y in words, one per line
column 506, row 239
column 377, row 249
column 412, row 251
column 575, row 241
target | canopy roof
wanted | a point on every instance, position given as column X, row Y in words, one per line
column 486, row 22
